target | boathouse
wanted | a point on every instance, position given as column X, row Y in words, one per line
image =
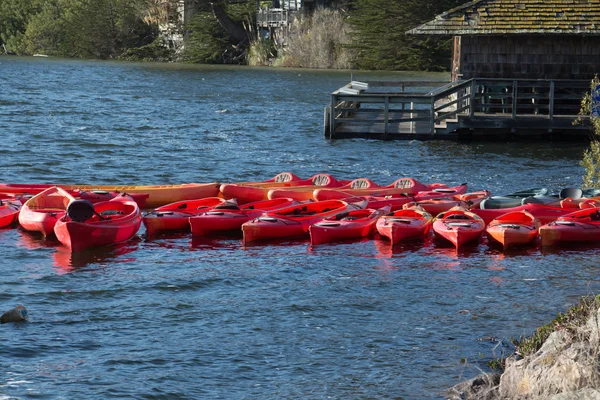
column 519, row 68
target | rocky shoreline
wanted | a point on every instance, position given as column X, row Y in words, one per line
column 565, row 367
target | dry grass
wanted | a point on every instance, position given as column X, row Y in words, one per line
column 318, row 40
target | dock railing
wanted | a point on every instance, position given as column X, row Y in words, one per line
column 389, row 110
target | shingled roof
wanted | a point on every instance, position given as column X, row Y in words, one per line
column 500, row 17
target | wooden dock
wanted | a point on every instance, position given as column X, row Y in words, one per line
column 460, row 109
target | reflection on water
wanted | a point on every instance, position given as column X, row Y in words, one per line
column 65, row 261
column 35, row 240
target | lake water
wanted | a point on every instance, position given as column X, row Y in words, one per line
column 176, row 317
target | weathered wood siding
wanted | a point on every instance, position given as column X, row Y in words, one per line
column 528, row 56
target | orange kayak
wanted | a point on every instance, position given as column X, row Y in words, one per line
column 405, row 224
column 349, row 225
column 294, row 221
column 458, row 226
column 175, row 216
column 581, row 226
column 219, row 221
column 86, row 225
column 40, row 212
column 513, row 229
column 248, row 192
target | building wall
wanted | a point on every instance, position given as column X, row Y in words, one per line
column 528, row 56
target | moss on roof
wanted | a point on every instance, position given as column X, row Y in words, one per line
column 499, row 17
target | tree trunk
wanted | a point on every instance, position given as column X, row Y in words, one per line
column 235, row 30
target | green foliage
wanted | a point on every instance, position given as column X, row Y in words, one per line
column 261, row 51
column 591, row 157
column 575, row 317
column 380, row 40
column 44, row 31
column 497, row 364
column 104, row 28
column 14, row 17
column 74, row 28
column 208, row 42
column 155, row 51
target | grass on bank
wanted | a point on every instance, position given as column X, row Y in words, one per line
column 316, row 40
column 571, row 321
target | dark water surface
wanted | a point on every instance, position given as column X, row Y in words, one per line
column 180, row 318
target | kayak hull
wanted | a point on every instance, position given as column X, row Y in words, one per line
column 9, row 213
column 356, row 224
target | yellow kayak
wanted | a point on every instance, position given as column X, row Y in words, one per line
column 158, row 195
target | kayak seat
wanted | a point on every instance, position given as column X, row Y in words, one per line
column 227, row 206
column 595, row 216
column 574, row 193
column 80, row 210
column 457, row 216
column 182, row 206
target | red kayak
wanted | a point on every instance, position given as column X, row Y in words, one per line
column 86, row 225
column 544, row 214
column 218, row 221
column 349, row 225
column 407, row 224
column 175, row 216
column 40, row 213
column 514, row 229
column 294, row 221
column 9, row 212
column 458, row 226
column 249, row 192
column 581, row 226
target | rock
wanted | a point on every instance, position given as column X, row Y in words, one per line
column 565, row 364
column 583, row 394
column 17, row 314
column 482, row 387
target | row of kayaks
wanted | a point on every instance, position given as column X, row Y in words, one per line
column 286, row 206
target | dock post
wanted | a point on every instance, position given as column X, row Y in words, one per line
column 432, row 129
column 332, row 113
column 386, row 115
column 326, row 125
column 551, row 101
column 514, row 100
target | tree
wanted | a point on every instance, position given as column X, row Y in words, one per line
column 379, row 34
column 218, row 32
column 591, row 156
